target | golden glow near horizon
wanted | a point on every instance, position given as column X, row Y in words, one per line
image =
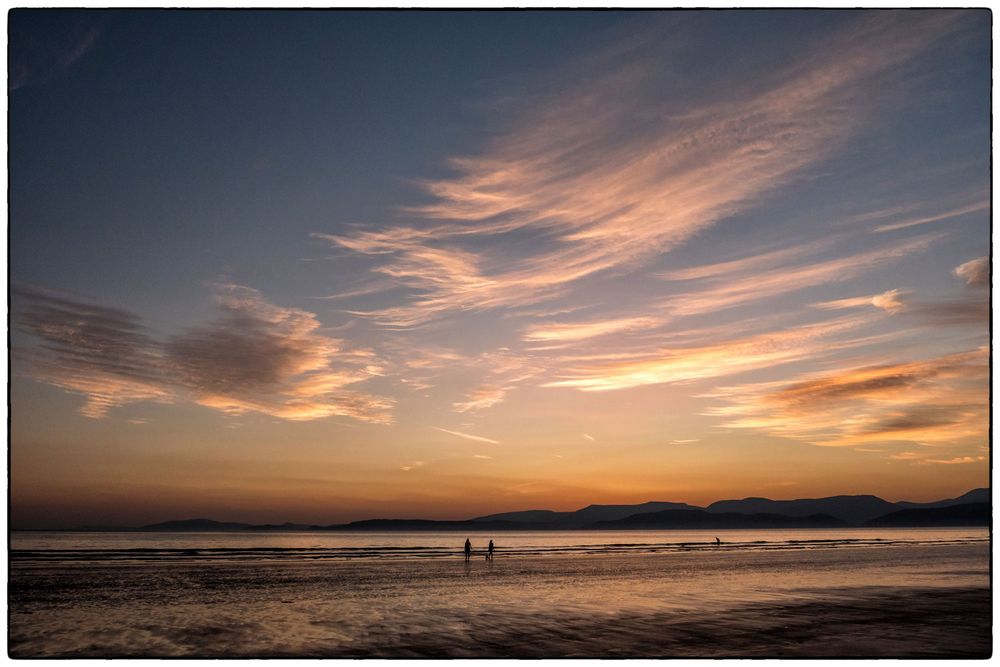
column 641, row 283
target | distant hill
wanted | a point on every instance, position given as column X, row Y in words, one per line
column 594, row 513
column 831, row 512
column 526, row 516
column 968, row 514
column 586, row 516
column 974, row 496
column 852, row 509
column 188, row 525
column 430, row 524
column 699, row 519
column 196, row 524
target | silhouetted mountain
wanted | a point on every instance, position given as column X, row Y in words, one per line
column 974, row 496
column 197, row 524
column 283, row 526
column 210, row 525
column 968, row 514
column 852, row 509
column 594, row 513
column 429, row 524
column 696, row 519
column 526, row 516
column 766, row 513
column 585, row 516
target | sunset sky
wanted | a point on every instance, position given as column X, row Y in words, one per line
column 326, row 266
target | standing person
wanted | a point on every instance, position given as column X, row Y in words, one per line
column 489, row 551
column 468, row 550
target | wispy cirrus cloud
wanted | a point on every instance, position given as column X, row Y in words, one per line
column 672, row 365
column 888, row 301
column 481, row 398
column 963, row 309
column 583, row 197
column 257, row 357
column 733, row 286
column 928, row 458
column 467, row 436
column 575, row 331
column 958, row 460
column 923, row 220
column 502, row 371
column 103, row 353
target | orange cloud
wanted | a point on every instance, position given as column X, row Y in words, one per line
column 257, row 357
column 888, row 301
column 975, row 271
column 727, row 290
column 940, row 400
column 481, row 398
column 669, row 365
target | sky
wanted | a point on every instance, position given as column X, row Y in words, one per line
column 321, row 266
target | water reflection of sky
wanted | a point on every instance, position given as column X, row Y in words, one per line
column 342, row 545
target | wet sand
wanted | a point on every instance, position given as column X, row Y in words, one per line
column 914, row 601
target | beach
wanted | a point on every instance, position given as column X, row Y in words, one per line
column 892, row 600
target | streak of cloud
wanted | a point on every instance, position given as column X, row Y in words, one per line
column 959, row 460
column 888, row 301
column 467, row 436
column 694, row 363
column 731, row 290
column 595, row 199
column 580, row 330
column 947, row 215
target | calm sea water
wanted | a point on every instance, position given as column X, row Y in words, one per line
column 49, row 546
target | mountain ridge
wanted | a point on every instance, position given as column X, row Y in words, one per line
column 828, row 512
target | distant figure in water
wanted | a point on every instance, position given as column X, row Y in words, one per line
column 489, row 551
column 468, row 550
column 718, row 542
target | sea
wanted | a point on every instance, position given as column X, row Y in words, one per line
column 324, row 545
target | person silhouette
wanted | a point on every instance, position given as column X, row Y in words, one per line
column 468, row 550
column 718, row 542
column 489, row 551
